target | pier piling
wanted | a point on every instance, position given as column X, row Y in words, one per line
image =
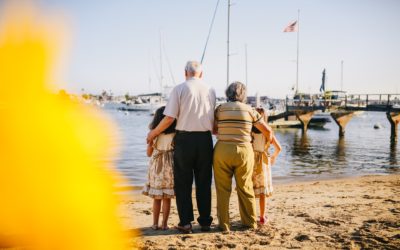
column 304, row 118
column 342, row 118
column 394, row 119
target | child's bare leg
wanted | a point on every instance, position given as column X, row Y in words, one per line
column 166, row 207
column 262, row 205
column 156, row 211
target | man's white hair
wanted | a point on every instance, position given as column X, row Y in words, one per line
column 193, row 67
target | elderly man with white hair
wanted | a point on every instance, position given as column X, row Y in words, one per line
column 192, row 104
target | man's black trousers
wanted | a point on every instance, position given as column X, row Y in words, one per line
column 193, row 155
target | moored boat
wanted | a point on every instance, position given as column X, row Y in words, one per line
column 146, row 102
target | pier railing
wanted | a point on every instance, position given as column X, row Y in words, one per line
column 373, row 102
column 343, row 108
column 367, row 102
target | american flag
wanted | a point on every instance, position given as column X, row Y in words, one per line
column 292, row 27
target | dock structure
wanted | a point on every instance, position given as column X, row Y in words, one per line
column 304, row 117
column 342, row 110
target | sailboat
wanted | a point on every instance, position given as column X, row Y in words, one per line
column 152, row 101
column 146, row 102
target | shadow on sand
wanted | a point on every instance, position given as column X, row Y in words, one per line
column 236, row 226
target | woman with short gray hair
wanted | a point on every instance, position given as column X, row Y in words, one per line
column 233, row 154
column 236, row 91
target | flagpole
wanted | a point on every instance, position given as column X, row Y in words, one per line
column 297, row 61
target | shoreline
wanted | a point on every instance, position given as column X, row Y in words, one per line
column 353, row 213
column 282, row 181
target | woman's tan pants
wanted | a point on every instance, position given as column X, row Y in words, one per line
column 231, row 159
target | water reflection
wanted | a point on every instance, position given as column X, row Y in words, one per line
column 315, row 155
column 393, row 153
column 340, row 152
column 301, row 144
column 304, row 162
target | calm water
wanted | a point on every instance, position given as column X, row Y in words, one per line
column 311, row 156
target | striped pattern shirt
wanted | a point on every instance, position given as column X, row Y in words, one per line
column 234, row 122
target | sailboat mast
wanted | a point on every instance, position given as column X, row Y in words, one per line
column 341, row 76
column 148, row 72
column 161, row 70
column 245, row 52
column 227, row 53
column 209, row 32
column 297, row 61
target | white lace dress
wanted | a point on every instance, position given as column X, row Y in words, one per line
column 160, row 175
column 262, row 179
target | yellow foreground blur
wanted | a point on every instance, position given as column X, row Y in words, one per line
column 55, row 192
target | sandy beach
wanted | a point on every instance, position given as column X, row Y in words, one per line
column 353, row 213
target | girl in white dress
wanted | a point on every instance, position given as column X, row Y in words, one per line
column 160, row 176
column 262, row 179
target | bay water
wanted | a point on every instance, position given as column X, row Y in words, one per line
column 314, row 155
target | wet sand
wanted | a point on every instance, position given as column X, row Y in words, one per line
column 354, row 213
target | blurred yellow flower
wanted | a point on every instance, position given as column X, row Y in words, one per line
column 55, row 191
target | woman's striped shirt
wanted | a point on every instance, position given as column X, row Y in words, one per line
column 234, row 122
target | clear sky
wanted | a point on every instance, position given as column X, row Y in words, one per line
column 116, row 44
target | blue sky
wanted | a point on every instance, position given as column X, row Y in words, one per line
column 115, row 44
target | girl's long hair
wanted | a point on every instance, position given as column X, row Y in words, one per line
column 158, row 116
column 262, row 113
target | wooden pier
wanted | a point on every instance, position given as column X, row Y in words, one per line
column 342, row 110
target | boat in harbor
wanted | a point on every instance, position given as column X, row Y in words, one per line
column 335, row 97
column 144, row 103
